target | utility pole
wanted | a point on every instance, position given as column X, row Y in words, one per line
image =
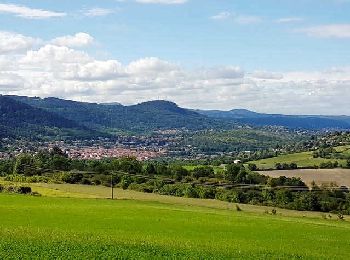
column 112, row 186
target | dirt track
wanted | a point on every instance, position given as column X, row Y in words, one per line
column 338, row 176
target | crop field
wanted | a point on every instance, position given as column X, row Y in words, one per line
column 320, row 176
column 52, row 227
column 304, row 159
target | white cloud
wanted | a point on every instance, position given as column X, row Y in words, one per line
column 77, row 40
column 29, row 13
column 266, row 75
column 94, row 12
column 221, row 16
column 227, row 72
column 290, row 20
column 10, row 80
column 51, row 70
column 14, row 42
column 52, row 56
column 167, row 2
column 328, row 31
column 149, row 66
column 237, row 18
column 95, row 70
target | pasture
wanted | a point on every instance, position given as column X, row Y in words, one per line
column 70, row 228
column 304, row 159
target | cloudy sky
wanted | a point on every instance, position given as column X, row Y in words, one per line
column 290, row 56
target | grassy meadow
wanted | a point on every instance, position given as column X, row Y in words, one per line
column 304, row 159
column 157, row 227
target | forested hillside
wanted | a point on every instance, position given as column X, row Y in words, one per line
column 315, row 122
column 21, row 120
column 148, row 116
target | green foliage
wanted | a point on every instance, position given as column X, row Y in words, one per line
column 21, row 120
column 130, row 165
column 125, row 182
column 141, row 118
column 15, row 189
column 254, row 140
column 202, row 171
column 26, row 165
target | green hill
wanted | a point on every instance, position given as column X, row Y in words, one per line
column 18, row 119
column 144, row 117
column 303, row 160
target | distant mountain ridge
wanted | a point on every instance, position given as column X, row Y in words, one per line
column 33, row 116
column 20, row 119
column 143, row 117
column 315, row 122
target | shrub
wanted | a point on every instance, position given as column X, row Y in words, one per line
column 340, row 216
column 24, row 190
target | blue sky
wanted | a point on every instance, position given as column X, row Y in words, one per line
column 300, row 38
column 184, row 33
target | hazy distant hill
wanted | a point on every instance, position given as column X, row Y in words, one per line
column 20, row 119
column 30, row 116
column 142, row 117
column 307, row 122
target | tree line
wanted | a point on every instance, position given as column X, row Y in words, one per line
column 236, row 183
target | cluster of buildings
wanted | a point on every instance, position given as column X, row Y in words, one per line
column 98, row 153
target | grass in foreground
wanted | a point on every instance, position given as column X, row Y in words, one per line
column 44, row 227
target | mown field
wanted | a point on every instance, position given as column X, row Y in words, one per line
column 70, row 228
column 341, row 177
column 304, row 159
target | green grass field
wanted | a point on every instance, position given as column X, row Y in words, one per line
column 304, row 159
column 217, row 169
column 70, row 228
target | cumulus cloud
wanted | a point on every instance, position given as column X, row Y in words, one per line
column 266, row 75
column 29, row 13
column 151, row 66
column 55, row 56
column 14, row 42
column 67, row 72
column 328, row 31
column 77, row 40
column 95, row 70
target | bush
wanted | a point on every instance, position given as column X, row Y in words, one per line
column 143, row 187
column 191, row 192
column 16, row 189
column 24, row 190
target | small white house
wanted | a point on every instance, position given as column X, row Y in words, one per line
column 237, row 161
